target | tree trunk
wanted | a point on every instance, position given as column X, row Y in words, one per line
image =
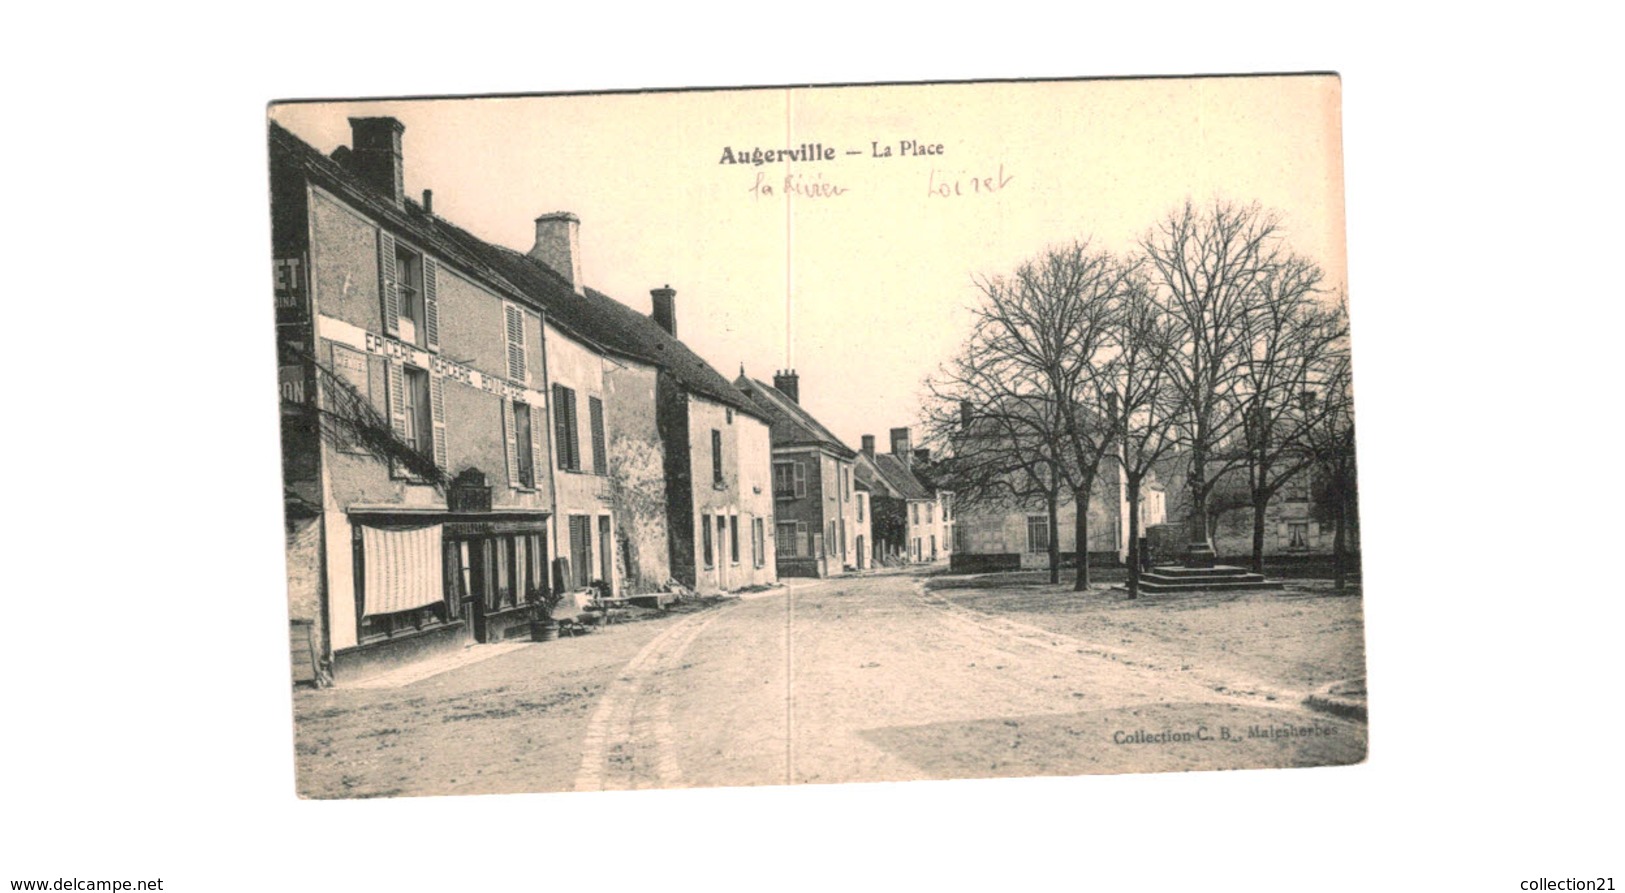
column 1133, row 536
column 1261, row 504
column 1339, row 576
column 1054, row 537
column 1080, row 531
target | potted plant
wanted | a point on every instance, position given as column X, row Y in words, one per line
column 543, row 628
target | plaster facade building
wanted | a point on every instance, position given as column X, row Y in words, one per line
column 467, row 427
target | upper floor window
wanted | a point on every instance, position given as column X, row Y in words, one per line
column 415, row 404
column 566, row 431
column 789, row 480
column 523, row 448
column 408, row 289
column 716, row 458
column 595, row 417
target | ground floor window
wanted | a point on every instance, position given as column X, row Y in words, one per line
column 705, row 542
column 1037, row 533
column 1297, row 535
column 580, row 551
column 758, row 542
column 606, row 552
column 399, row 581
column 733, row 538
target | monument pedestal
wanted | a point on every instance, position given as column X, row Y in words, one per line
column 1212, row 578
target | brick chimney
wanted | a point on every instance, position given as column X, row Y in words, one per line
column 375, row 156
column 788, row 382
column 900, row 446
column 869, row 445
column 665, row 311
column 558, row 246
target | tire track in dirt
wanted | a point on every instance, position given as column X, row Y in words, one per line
column 1231, row 688
column 630, row 742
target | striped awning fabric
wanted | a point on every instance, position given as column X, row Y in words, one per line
column 403, row 568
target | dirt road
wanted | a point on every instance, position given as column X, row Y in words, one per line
column 881, row 681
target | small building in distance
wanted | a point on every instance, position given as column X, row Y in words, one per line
column 815, row 494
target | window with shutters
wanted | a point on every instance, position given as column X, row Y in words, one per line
column 758, row 541
column 600, row 455
column 733, row 539
column 514, row 332
column 861, row 500
column 789, row 480
column 566, row 430
column 524, row 451
column 716, row 460
column 408, row 289
column 415, row 403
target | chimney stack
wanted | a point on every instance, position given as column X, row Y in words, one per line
column 428, row 201
column 558, row 246
column 869, row 445
column 375, row 154
column 665, row 312
column 900, row 446
column 790, row 383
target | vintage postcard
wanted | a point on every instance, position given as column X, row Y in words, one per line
column 833, row 434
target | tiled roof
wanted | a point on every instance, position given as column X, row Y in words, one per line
column 594, row 318
column 898, row 478
column 790, row 424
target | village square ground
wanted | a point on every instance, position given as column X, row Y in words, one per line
column 882, row 677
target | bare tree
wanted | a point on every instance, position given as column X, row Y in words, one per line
column 999, row 435
column 1043, row 330
column 1331, row 440
column 1144, row 403
column 1212, row 268
column 1292, row 339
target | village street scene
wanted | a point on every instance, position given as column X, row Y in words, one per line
column 1097, row 513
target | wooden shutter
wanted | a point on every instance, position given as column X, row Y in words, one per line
column 561, row 427
column 538, row 437
column 431, row 302
column 509, row 437
column 600, row 456
column 395, row 377
column 437, row 414
column 516, row 342
column 574, row 429
column 388, row 289
column 801, row 480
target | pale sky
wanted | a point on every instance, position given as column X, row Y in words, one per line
column 865, row 289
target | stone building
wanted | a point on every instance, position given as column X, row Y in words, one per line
column 815, row 496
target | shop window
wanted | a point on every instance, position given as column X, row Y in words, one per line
column 400, row 582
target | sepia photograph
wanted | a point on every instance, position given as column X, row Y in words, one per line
column 816, row 435
column 811, row 447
